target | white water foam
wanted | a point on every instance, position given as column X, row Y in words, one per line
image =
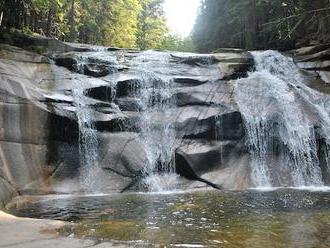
column 157, row 131
column 279, row 128
column 88, row 142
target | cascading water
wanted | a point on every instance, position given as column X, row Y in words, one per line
column 88, row 142
column 278, row 110
column 157, row 131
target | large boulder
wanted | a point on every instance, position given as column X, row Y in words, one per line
column 234, row 65
column 211, row 123
column 205, row 156
column 199, row 159
column 122, row 158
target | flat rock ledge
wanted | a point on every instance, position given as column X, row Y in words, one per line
column 34, row 233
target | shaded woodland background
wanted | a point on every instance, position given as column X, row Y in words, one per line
column 261, row 24
column 247, row 24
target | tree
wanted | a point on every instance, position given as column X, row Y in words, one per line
column 176, row 43
column 71, row 21
column 123, row 23
column 152, row 29
column 261, row 24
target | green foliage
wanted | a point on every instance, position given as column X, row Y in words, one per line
column 27, row 31
column 152, row 29
column 261, row 24
column 176, row 43
column 121, row 23
column 36, row 49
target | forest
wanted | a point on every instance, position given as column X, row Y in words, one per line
column 247, row 24
column 261, row 24
column 121, row 23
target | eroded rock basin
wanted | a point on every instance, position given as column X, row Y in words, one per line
column 278, row 218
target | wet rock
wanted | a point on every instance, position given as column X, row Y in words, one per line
column 39, row 115
column 229, row 50
column 234, row 70
column 189, row 122
column 122, row 156
column 186, row 81
column 110, row 123
column 96, row 70
column 103, row 93
column 7, row 192
column 205, row 155
column 77, row 47
column 89, row 66
column 235, row 58
column 112, row 49
column 303, row 51
column 314, row 58
column 127, row 156
column 129, row 104
column 186, row 99
column 128, row 87
column 325, row 76
column 65, row 161
column 195, row 158
column 233, row 65
column 315, row 66
column 319, row 81
column 67, row 60
column 235, row 176
column 215, row 94
column 198, row 60
column 319, row 56
column 209, row 123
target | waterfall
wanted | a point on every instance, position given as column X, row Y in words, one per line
column 279, row 112
column 157, row 131
column 88, row 142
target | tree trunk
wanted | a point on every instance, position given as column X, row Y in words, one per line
column 251, row 28
column 50, row 21
column 1, row 16
column 31, row 20
column 72, row 35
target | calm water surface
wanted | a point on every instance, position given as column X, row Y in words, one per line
column 282, row 218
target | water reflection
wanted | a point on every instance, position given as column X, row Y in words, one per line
column 283, row 218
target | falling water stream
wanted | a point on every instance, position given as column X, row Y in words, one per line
column 156, row 123
column 88, row 142
column 277, row 107
column 280, row 129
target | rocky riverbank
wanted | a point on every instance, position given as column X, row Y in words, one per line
column 24, row 232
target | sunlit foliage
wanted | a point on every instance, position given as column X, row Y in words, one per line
column 121, row 23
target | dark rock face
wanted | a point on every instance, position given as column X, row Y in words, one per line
column 205, row 155
column 102, row 93
column 129, row 96
column 315, row 59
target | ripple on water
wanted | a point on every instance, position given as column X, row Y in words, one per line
column 281, row 218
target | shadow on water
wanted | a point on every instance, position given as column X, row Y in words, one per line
column 281, row 218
